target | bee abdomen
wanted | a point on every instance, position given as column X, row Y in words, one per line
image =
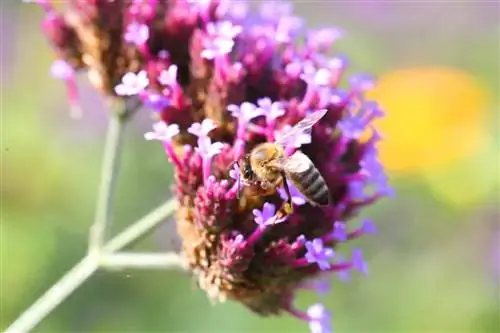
column 312, row 185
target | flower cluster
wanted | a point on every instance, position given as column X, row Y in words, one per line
column 222, row 80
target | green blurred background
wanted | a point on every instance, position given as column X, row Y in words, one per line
column 434, row 267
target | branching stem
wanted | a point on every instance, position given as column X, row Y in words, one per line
column 102, row 254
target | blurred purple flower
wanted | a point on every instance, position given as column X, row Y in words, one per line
column 132, row 84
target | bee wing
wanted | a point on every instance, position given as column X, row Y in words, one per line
column 297, row 163
column 303, row 126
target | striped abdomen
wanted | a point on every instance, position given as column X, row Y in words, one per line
column 312, row 185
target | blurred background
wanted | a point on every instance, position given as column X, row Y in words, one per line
column 434, row 267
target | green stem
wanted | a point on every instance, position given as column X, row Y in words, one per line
column 109, row 173
column 84, row 269
column 143, row 260
column 95, row 257
column 55, row 295
column 141, row 227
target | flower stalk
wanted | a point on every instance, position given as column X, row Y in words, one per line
column 142, row 260
column 103, row 254
column 109, row 173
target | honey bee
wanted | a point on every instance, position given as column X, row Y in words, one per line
column 267, row 167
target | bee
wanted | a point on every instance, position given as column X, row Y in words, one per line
column 267, row 167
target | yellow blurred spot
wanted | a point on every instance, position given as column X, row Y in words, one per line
column 434, row 116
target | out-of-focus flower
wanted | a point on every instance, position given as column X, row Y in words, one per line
column 132, row 84
column 108, row 39
column 446, row 109
column 221, row 83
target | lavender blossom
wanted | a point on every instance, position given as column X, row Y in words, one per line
column 317, row 253
column 60, row 69
column 222, row 80
column 137, row 33
column 132, row 84
column 297, row 198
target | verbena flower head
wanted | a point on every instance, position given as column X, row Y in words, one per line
column 220, row 82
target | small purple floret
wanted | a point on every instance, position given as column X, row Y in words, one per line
column 317, row 253
column 208, row 149
column 339, row 232
column 319, row 319
column 162, row 132
column 297, row 197
column 60, row 69
column 203, row 129
column 132, row 84
column 156, row 102
column 245, row 112
column 358, row 261
column 266, row 216
column 137, row 33
column 168, row 77
column 369, row 227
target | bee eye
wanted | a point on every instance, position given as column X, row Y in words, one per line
column 248, row 173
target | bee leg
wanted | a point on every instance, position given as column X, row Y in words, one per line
column 287, row 208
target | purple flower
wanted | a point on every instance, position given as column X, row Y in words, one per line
column 343, row 274
column 156, row 101
column 162, row 132
column 234, row 173
column 132, row 84
column 206, row 126
column 339, row 231
column 322, row 77
column 294, row 141
column 245, row 112
column 319, row 319
column 219, row 40
column 369, row 227
column 234, row 10
column 352, row 127
column 322, row 39
column 286, row 28
column 223, row 30
column 168, row 77
column 214, row 48
column 370, row 163
column 321, row 285
column 136, row 33
column 355, row 122
column 317, row 253
column 266, row 216
column 362, row 82
column 294, row 69
column 199, row 3
column 238, row 240
column 297, row 197
column 358, row 261
column 301, row 240
column 60, row 69
column 337, row 62
column 273, row 10
column 207, row 148
column 272, row 110
column 356, row 190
